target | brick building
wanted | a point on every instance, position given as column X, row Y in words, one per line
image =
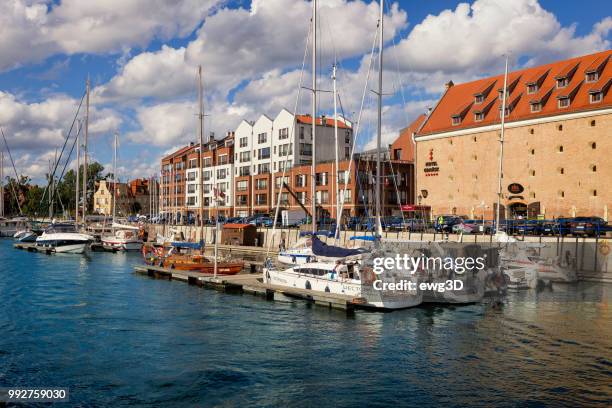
column 556, row 150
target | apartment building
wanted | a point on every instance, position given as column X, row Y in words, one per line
column 247, row 169
column 268, row 146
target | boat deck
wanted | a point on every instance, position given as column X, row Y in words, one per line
column 252, row 283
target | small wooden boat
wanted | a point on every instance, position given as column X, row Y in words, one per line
column 194, row 262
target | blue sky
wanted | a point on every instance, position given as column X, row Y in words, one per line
column 141, row 56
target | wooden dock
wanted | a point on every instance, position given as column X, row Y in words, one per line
column 31, row 247
column 252, row 283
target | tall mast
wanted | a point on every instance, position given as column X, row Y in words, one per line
column 313, row 169
column 1, row 184
column 337, row 163
column 85, row 153
column 78, row 170
column 115, row 187
column 501, row 148
column 379, row 131
column 200, row 159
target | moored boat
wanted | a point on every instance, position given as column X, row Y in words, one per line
column 124, row 239
column 63, row 238
column 172, row 258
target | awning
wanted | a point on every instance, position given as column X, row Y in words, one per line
column 412, row 207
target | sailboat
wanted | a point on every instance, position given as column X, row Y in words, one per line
column 351, row 274
column 189, row 256
column 124, row 237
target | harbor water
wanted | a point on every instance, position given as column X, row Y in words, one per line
column 118, row 339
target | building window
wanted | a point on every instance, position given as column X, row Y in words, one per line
column 560, row 149
column 594, row 193
column 560, row 128
column 321, row 179
column 244, row 141
column 532, row 194
column 536, row 107
column 300, row 180
column 531, row 131
column 592, row 123
column 593, row 145
column 478, row 116
column 561, row 170
column 322, row 197
column 264, row 153
column 241, row 200
column 245, row 170
column 241, row 185
column 191, row 201
column 283, row 133
column 261, row 199
column 221, row 173
column 532, row 88
column 592, row 76
column 347, row 152
column 479, row 99
column 207, row 161
column 301, row 132
column 474, row 139
column 261, row 184
column 561, row 194
column 245, row 157
column 532, row 151
column 456, row 120
column 532, row 173
column 280, row 180
column 593, row 168
column 474, row 157
column 564, row 102
column 596, row 97
column 223, row 159
column 306, row 149
column 263, row 168
column 262, row 138
column 562, row 82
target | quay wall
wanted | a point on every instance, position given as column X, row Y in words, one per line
column 587, row 254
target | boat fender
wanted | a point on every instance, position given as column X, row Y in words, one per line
column 308, row 286
column 268, row 276
column 171, row 266
column 293, row 259
column 307, row 259
column 327, row 289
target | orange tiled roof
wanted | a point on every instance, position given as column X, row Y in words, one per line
column 459, row 96
column 307, row 119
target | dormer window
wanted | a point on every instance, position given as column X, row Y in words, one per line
column 595, row 97
column 456, row 120
column 501, row 94
column 536, row 107
column 562, row 82
column 564, row 103
column 478, row 116
column 592, row 76
column 532, row 88
column 478, row 99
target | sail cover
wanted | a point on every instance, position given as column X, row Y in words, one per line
column 322, row 249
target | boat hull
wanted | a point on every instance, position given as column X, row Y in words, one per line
column 121, row 245
column 66, row 247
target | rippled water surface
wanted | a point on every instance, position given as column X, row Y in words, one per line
column 117, row 339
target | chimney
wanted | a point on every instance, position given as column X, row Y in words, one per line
column 449, row 84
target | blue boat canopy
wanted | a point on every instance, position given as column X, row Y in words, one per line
column 322, row 249
column 365, row 238
column 190, row 245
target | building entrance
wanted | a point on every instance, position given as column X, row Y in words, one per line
column 518, row 210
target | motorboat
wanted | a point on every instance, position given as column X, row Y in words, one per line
column 125, row 238
column 10, row 226
column 187, row 257
column 25, row 236
column 63, row 238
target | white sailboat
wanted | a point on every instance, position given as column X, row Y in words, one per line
column 345, row 275
column 124, row 237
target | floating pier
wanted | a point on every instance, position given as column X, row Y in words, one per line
column 252, row 283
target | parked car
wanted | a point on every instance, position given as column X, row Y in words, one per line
column 444, row 223
column 589, row 226
column 526, row 227
column 464, row 228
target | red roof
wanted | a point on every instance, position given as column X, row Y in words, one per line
column 461, row 95
column 328, row 121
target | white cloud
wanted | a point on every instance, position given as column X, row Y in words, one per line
column 31, row 30
column 35, row 129
column 235, row 45
column 472, row 39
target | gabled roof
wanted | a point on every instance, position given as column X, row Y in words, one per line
column 458, row 96
column 307, row 119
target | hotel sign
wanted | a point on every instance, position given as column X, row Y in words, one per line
column 431, row 166
column 515, row 188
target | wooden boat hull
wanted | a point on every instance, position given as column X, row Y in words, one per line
column 192, row 263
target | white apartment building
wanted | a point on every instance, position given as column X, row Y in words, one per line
column 265, row 145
